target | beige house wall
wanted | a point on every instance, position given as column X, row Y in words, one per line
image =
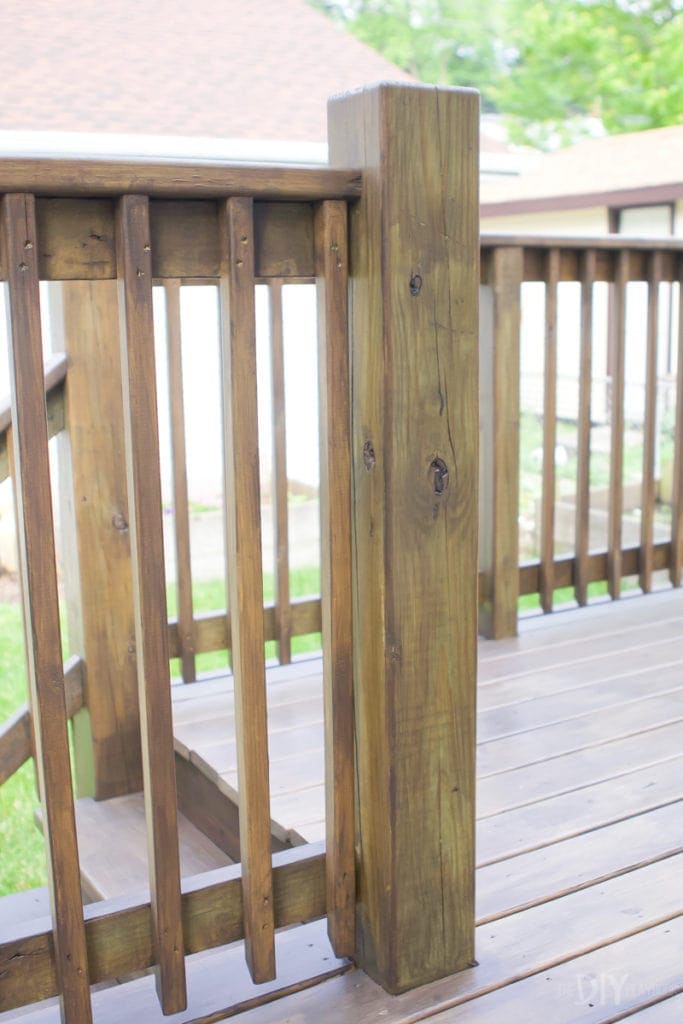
column 591, row 221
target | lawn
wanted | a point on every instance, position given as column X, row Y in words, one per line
column 22, row 858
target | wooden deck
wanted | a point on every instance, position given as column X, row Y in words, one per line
column 580, row 820
column 580, row 829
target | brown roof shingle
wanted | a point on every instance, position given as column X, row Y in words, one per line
column 229, row 69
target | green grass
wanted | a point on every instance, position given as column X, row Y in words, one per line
column 22, row 853
column 565, row 595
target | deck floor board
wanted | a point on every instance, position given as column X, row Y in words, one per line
column 580, row 820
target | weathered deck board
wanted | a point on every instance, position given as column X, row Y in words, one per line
column 579, row 736
column 580, row 728
column 568, row 931
column 218, row 980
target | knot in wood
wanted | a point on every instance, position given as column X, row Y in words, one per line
column 368, row 456
column 438, row 474
column 415, row 284
column 119, row 522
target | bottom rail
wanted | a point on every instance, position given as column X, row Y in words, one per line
column 529, row 574
column 119, row 932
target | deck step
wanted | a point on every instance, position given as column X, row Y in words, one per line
column 206, row 755
column 112, row 844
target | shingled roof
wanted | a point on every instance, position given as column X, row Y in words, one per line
column 639, row 167
column 261, row 69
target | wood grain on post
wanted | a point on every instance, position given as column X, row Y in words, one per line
column 414, row 278
column 676, row 567
column 647, row 502
column 583, row 443
column 548, row 486
column 41, row 605
column 245, row 580
column 181, row 508
column 616, row 462
column 151, row 633
column 335, row 533
column 499, row 461
column 94, row 516
column 283, row 608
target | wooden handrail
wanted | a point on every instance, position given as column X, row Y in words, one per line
column 55, row 375
column 498, row 239
column 16, row 742
column 175, row 179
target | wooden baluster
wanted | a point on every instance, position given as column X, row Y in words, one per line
column 335, row 532
column 41, row 605
column 181, row 511
column 547, row 566
column 134, row 267
column 616, row 468
column 677, row 498
column 283, row 608
column 499, row 455
column 583, row 443
column 96, row 539
column 647, row 502
column 245, row 579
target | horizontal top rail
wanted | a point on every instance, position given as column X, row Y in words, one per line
column 570, row 250
column 503, row 239
column 173, row 179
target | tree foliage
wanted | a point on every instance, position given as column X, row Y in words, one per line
column 618, row 62
column 551, row 65
column 453, row 42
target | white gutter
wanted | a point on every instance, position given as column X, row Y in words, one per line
column 93, row 146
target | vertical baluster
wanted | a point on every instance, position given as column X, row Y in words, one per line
column 499, row 353
column 243, row 547
column 181, row 512
column 588, row 265
column 134, row 269
column 41, row 607
column 283, row 608
column 547, row 567
column 677, row 498
column 647, row 502
column 335, row 532
column 616, row 469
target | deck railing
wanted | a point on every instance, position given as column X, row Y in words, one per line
column 634, row 321
column 398, row 401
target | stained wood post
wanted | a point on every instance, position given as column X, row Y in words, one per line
column 499, row 457
column 99, row 587
column 414, row 278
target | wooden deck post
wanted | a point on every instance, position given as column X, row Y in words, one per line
column 99, row 587
column 414, row 278
column 499, row 450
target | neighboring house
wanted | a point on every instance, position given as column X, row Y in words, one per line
column 631, row 183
